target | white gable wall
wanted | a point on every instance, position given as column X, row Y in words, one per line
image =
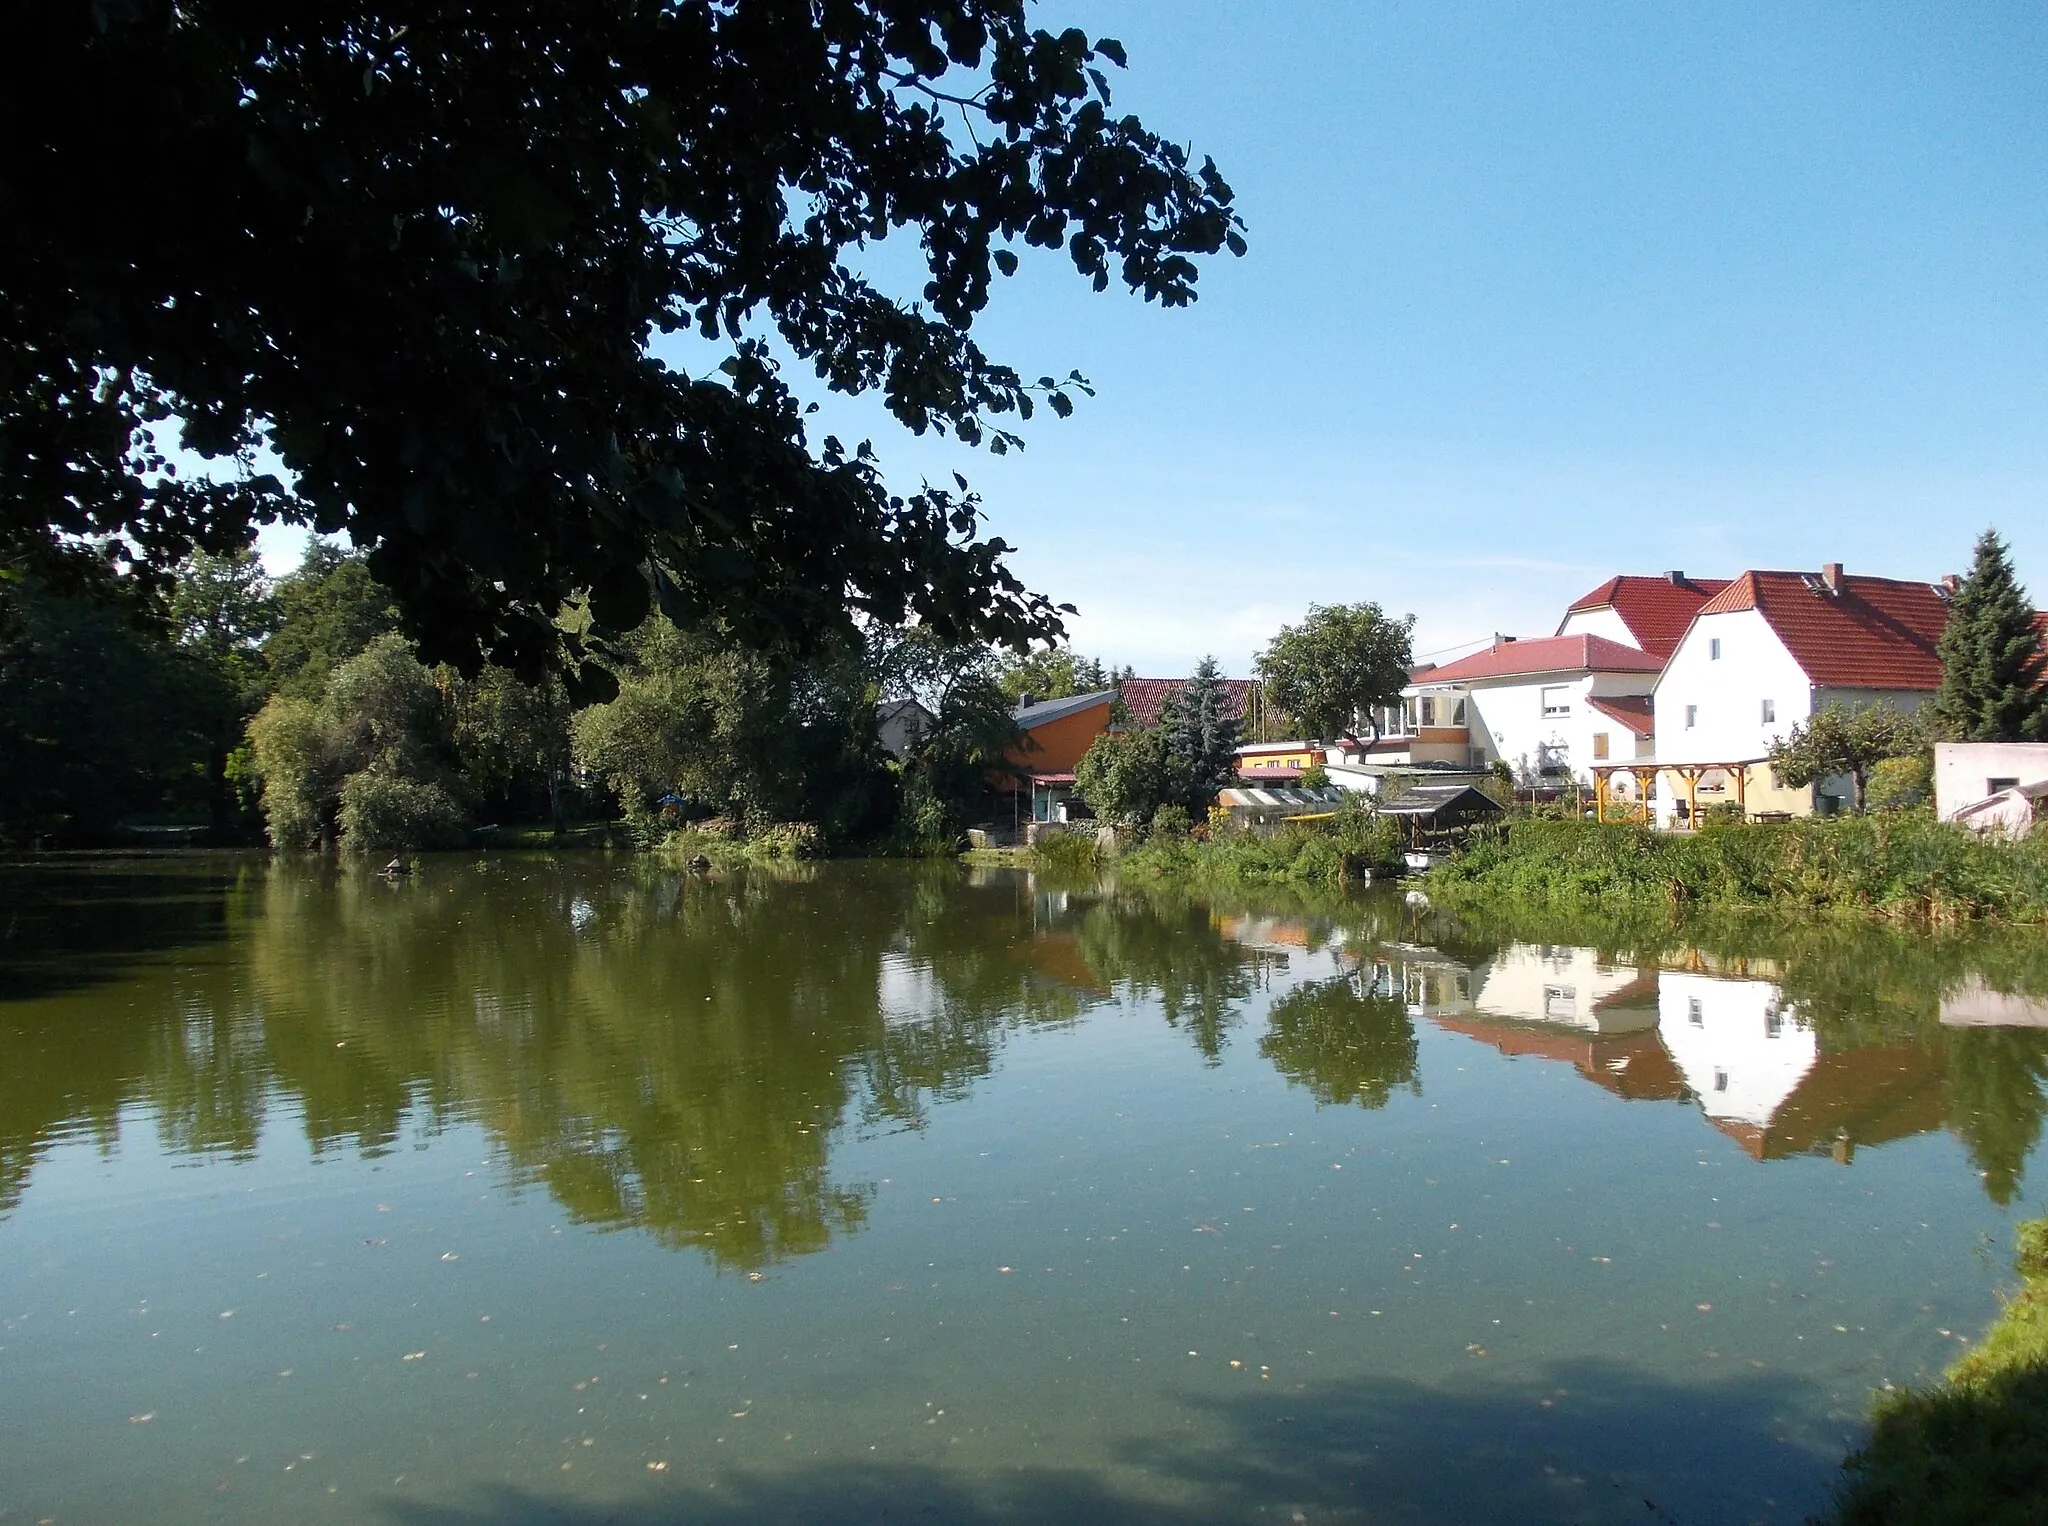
column 1725, row 695
column 1604, row 621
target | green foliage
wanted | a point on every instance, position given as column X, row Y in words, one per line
column 1842, row 740
column 380, row 718
column 1342, row 659
column 1069, row 853
column 1055, row 673
column 1126, row 776
column 1991, row 658
column 1343, row 1044
column 739, row 733
column 1315, row 776
column 948, row 771
column 101, row 717
column 1900, row 784
column 1973, row 1449
column 381, row 812
column 1905, row 866
column 424, row 255
column 1201, row 735
column 326, row 611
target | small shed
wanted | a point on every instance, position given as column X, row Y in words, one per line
column 1441, row 807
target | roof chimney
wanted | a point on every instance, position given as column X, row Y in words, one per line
column 1026, row 700
column 1949, row 584
column 1675, row 578
column 1831, row 576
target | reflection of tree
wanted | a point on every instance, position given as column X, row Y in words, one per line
column 1172, row 951
column 1341, row 1043
column 1995, row 1082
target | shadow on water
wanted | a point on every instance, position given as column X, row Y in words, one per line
column 1585, row 1443
column 86, row 919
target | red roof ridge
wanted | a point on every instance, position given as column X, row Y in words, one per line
column 1547, row 654
column 1860, row 631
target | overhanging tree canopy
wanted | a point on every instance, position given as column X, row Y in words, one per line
column 423, row 250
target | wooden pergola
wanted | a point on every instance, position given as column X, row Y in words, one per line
column 1644, row 773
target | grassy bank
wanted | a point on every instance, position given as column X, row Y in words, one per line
column 1907, row 867
column 721, row 849
column 1330, row 852
column 1973, row 1450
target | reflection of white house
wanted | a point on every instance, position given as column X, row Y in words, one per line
column 1741, row 1049
column 1571, row 987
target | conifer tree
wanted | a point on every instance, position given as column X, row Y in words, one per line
column 1202, row 734
column 1991, row 659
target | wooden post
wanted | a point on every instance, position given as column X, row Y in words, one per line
column 1692, row 797
column 1600, row 795
column 1742, row 788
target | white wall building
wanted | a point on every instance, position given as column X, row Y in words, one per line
column 1968, row 772
column 1530, row 703
column 1768, row 652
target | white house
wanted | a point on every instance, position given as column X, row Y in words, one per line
column 1968, row 774
column 1649, row 613
column 1551, row 707
column 1767, row 652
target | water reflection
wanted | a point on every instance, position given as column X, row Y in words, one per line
column 679, row 1054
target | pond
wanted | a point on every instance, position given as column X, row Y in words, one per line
column 573, row 1189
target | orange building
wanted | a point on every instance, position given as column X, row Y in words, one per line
column 1056, row 734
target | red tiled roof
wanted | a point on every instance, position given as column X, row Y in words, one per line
column 1655, row 610
column 1143, row 697
column 1632, row 710
column 1875, row 633
column 1545, row 654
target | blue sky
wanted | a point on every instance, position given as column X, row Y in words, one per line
column 1538, row 293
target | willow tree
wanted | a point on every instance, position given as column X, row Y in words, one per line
column 507, row 289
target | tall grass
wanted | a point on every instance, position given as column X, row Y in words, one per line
column 1905, row 866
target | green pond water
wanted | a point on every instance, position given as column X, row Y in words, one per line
column 575, row 1190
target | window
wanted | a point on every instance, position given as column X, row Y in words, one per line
column 1560, row 1001
column 1557, row 701
column 1720, row 1079
column 1458, row 715
column 1774, row 1022
column 1428, row 711
column 1770, row 711
column 1714, row 650
column 1599, row 745
column 1993, row 786
column 1693, row 1014
column 1692, row 716
column 1645, row 746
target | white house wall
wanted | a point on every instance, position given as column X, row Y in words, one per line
column 1742, row 1050
column 1726, row 695
column 1506, row 721
column 1604, row 621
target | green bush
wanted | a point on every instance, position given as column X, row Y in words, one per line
column 1900, row 784
column 1973, row 1450
column 1899, row 865
column 384, row 813
column 1066, row 852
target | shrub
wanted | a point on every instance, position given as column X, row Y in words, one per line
column 1899, row 784
column 1065, row 852
column 1171, row 821
column 382, row 812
